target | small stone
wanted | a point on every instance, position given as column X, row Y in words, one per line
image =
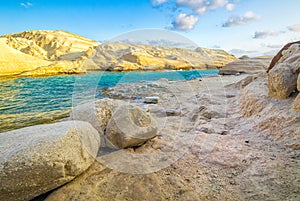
column 224, row 133
column 151, row 100
column 173, row 112
column 232, row 182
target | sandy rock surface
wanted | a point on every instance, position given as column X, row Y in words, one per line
column 226, row 143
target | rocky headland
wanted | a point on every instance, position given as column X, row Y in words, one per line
column 247, row 65
column 214, row 138
column 38, row 53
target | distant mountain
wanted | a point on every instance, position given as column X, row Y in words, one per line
column 35, row 53
column 114, row 56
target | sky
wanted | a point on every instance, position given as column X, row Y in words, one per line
column 241, row 27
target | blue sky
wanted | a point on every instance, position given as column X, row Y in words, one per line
column 253, row 27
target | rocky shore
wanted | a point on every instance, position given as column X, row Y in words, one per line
column 214, row 138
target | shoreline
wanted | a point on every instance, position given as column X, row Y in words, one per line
column 6, row 77
column 65, row 114
column 208, row 140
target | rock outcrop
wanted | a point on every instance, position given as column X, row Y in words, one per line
column 120, row 125
column 37, row 159
column 248, row 66
column 282, row 78
column 114, row 56
column 280, row 54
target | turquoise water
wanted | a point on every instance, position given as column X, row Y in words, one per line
column 31, row 101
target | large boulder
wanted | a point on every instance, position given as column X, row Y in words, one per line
column 130, row 126
column 37, row 159
column 119, row 124
column 282, row 81
column 282, row 78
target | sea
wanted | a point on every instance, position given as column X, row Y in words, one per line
column 36, row 100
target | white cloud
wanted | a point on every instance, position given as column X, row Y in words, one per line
column 26, row 4
column 216, row 4
column 185, row 22
column 230, row 7
column 241, row 20
column 264, row 34
column 249, row 15
column 158, row 2
column 200, row 6
column 295, row 27
column 201, row 10
column 190, row 3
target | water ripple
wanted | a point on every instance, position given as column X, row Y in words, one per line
column 30, row 101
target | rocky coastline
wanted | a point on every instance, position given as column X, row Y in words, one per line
column 215, row 138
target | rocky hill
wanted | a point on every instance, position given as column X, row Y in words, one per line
column 114, row 56
column 50, row 45
column 34, row 53
column 16, row 63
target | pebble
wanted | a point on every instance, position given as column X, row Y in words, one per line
column 151, row 100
